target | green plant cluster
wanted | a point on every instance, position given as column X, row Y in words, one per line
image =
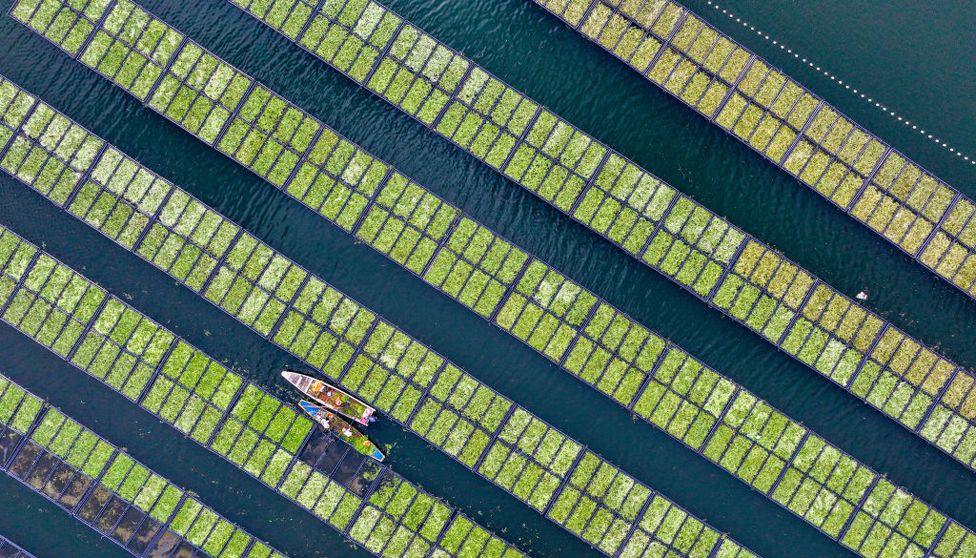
column 555, row 160
column 200, row 91
column 956, row 541
column 460, row 415
column 289, row 16
column 622, row 36
column 625, row 204
column 59, row 22
column 684, row 398
column 192, row 392
column 131, row 48
column 487, row 118
column 326, row 498
column 139, row 486
column 205, row 529
column 50, row 152
column 476, row 267
column 400, row 520
column 544, row 309
column 530, row 459
column 15, row 105
column 254, row 284
column 906, row 204
column 16, row 257
column 269, row 136
column 614, row 353
column 393, row 371
column 121, row 222
column 570, row 11
column 122, row 348
column 406, row 223
column 347, row 33
column 261, row 434
column 18, row 407
column 667, row 530
column 418, row 74
column 316, row 324
column 893, row 523
column 663, row 530
column 54, row 304
column 693, row 247
column 336, row 179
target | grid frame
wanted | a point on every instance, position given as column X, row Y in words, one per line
column 370, row 336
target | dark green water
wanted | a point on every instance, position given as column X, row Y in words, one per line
column 913, row 60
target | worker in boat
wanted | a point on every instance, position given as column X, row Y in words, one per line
column 347, row 432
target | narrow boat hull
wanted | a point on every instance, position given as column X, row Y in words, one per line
column 342, row 430
column 330, row 397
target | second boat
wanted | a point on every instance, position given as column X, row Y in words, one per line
column 331, row 397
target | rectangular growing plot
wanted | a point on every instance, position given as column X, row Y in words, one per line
column 383, row 365
column 123, row 500
column 187, row 389
column 666, row 230
column 613, row 353
column 49, row 152
column 786, row 123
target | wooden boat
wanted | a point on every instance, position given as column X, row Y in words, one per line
column 342, row 429
column 330, row 397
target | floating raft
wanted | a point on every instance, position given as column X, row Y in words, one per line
column 335, row 424
column 331, row 397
